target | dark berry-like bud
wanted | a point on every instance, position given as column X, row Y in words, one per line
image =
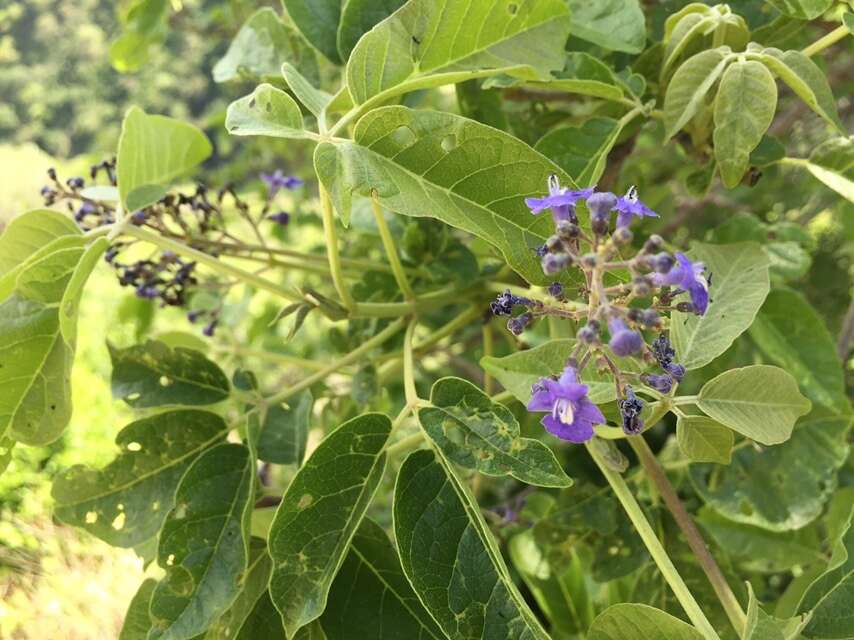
column 641, row 286
column 589, row 333
column 650, row 318
column 663, row 262
column 661, row 383
column 567, row 230
column 589, row 260
column 210, row 328
column 503, row 304
column 675, row 370
column 75, row 183
column 633, row 314
column 541, row 250
column 630, row 411
column 554, row 244
column 663, row 351
column 282, row 218
column 556, row 289
column 553, row 263
column 51, row 173
column 137, row 218
column 518, row 324
column 653, row 243
column 599, row 226
column 623, row 235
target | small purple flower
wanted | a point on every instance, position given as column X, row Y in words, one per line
column 555, row 289
column 629, row 207
column 503, row 303
column 278, row 180
column 688, row 276
column 137, row 218
column 675, row 370
column 624, row 341
column 630, row 411
column 571, row 414
column 147, row 291
column 661, row 383
column 518, row 324
column 560, row 200
column 210, row 328
column 282, row 218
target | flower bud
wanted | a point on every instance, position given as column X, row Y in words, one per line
column 623, row 236
column 589, row 260
column 589, row 333
column 553, row 263
column 663, row 262
column 641, row 286
column 661, row 383
column 567, row 230
column 653, row 243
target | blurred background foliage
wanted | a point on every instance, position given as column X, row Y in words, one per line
column 66, row 79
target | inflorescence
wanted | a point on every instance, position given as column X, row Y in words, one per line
column 196, row 218
column 621, row 299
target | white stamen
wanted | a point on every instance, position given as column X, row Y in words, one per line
column 554, row 185
column 563, row 411
column 632, row 194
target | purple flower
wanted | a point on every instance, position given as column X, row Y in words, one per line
column 571, row 414
column 629, row 206
column 675, row 370
column 624, row 341
column 282, row 218
column 278, row 180
column 560, row 200
column 630, row 410
column 661, row 383
column 689, row 277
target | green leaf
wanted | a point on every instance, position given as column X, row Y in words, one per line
column 806, row 79
column 744, row 108
column 253, row 587
column 451, row 559
column 739, row 286
column 761, row 626
column 520, row 370
column 318, row 21
column 152, row 375
column 313, row 99
column 153, row 151
column 263, row 43
column 690, row 86
column 319, row 514
column 284, row 434
column 126, row 502
column 581, row 151
column 265, row 623
column 371, row 598
column 790, row 332
column 801, row 9
column 703, row 440
column 625, row 621
column 476, row 433
column 144, row 25
column 832, row 162
column 360, row 16
column 267, row 111
column 137, row 622
column 427, row 43
column 35, row 355
column 69, row 304
column 6, row 447
column 760, row 402
column 617, row 25
column 30, row 231
column 203, row 546
column 829, row 597
column 466, row 174
column 779, row 488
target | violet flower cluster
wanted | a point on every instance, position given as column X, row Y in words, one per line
column 627, row 293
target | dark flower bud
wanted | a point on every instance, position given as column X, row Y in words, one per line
column 641, row 286
column 675, row 370
column 518, row 324
column 589, row 260
column 194, row 315
column 147, row 291
column 503, row 304
column 599, row 226
column 553, row 263
column 555, row 289
column 567, row 230
column 554, row 244
column 589, row 333
column 541, row 251
column 663, row 262
column 650, row 318
column 633, row 314
column 663, row 351
column 653, row 243
column 661, row 383
column 282, row 218
column 51, row 173
column 111, row 253
column 210, row 328
column 623, row 235
column 630, row 411
column 137, row 218
column 75, row 183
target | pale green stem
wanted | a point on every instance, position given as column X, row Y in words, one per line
column 351, row 357
column 214, row 263
column 405, row 444
column 409, row 366
column 271, row 356
column 391, row 249
column 680, row 400
column 658, row 478
column 488, row 349
column 332, row 249
column 656, row 550
column 824, row 42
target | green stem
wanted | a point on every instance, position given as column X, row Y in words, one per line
column 405, row 444
column 271, row 356
column 351, row 357
column 425, row 302
column 409, row 366
column 332, row 249
column 680, row 400
column 824, row 42
column 695, row 540
column 214, row 263
column 653, row 545
column 391, row 249
column 488, row 349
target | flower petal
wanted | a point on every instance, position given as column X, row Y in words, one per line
column 578, row 431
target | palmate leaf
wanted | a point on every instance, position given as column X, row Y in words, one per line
column 126, row 502
column 319, row 515
column 203, row 545
column 371, row 599
column 739, row 286
column 451, row 559
column 474, row 432
column 427, row 43
column 427, row 163
column 153, row 374
column 624, row 621
column 779, row 488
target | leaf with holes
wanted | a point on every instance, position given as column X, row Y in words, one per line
column 260, row 47
column 623, row 621
column 427, row 43
column 427, row 163
column 153, row 151
column 126, row 502
column 476, row 433
column 284, row 434
column 320, row 513
column 371, row 598
column 704, row 440
column 744, row 108
column 267, row 111
column 462, row 581
column 779, row 488
column 739, row 285
column 203, row 545
column 153, row 375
